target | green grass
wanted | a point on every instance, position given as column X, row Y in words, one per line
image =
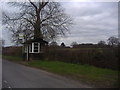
column 88, row 74
column 98, row 77
column 12, row 58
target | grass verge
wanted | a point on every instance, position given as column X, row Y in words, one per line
column 12, row 58
column 94, row 76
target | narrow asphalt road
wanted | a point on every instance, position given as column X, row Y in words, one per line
column 20, row 76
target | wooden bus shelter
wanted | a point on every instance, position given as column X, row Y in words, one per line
column 34, row 49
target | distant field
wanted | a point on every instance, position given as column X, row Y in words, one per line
column 97, row 77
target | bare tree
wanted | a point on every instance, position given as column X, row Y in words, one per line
column 74, row 44
column 113, row 41
column 53, row 43
column 41, row 19
column 101, row 43
column 62, row 44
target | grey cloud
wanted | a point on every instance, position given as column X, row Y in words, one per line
column 92, row 21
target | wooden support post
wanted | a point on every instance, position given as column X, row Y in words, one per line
column 27, row 52
column 23, row 52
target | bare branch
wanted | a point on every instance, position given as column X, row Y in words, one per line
column 33, row 5
column 41, row 19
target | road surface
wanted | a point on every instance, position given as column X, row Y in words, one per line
column 20, row 76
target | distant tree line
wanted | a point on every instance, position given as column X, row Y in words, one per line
column 111, row 42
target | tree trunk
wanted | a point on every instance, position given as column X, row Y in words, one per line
column 37, row 31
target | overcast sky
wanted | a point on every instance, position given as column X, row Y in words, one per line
column 93, row 21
